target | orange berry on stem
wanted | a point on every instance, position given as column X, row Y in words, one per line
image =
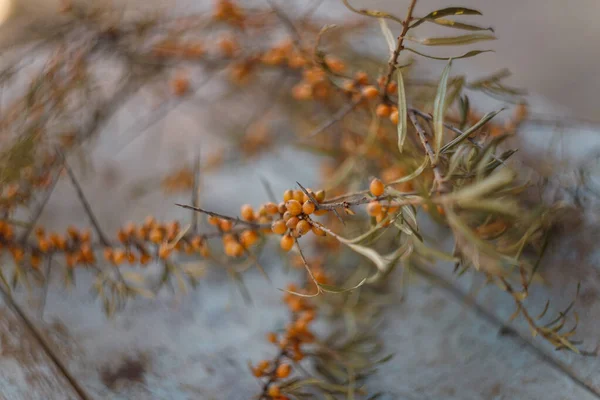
column 376, row 187
column 283, row 371
column 247, row 212
column 292, row 222
column 308, row 207
column 279, row 227
column 303, row 227
column 286, row 243
column 225, row 225
column 248, row 238
column 294, row 207
column 274, row 391
column 370, row 92
column 318, row 231
column 374, row 208
column 383, row 111
column 394, row 117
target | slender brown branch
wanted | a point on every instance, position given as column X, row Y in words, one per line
column 41, row 208
column 453, row 129
column 195, row 189
column 335, row 118
column 399, row 47
column 86, row 205
column 428, row 150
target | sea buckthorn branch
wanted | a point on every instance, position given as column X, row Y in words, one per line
column 392, row 64
column 439, row 180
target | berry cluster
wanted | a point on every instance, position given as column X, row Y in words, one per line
column 290, row 342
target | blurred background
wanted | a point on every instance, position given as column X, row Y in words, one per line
column 196, row 345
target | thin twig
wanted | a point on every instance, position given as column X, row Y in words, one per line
column 335, row 118
column 86, row 205
column 267, row 186
column 453, row 129
column 297, row 38
column 46, row 345
column 399, row 46
column 195, row 189
column 46, row 285
column 40, row 209
column 428, row 150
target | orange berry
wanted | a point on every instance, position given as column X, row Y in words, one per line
column 279, row 227
column 274, row 391
column 35, row 261
column 294, row 207
column 383, row 111
column 247, row 212
column 374, row 208
column 130, row 258
column 228, row 46
column 303, row 227
column 44, row 245
column 292, row 222
column 286, row 243
column 361, row 78
column 145, row 259
column 156, row 235
column 197, row 243
column 262, row 365
column 272, row 337
column 308, row 207
column 18, row 254
column 288, row 195
column 302, row 91
column 394, row 117
column 271, row 208
column 180, row 85
column 320, row 196
column 377, row 188
column 281, row 207
column 318, row 231
column 108, row 254
column 119, row 256
column 392, row 87
column 164, row 251
column 283, row 371
column 212, row 220
column 234, row 249
column 370, row 92
column 335, row 64
column 248, row 238
column 225, row 225
column 299, row 196
column 40, row 231
column 73, row 232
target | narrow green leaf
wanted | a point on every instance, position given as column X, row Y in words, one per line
column 471, row 53
column 387, row 33
column 439, row 109
column 414, row 174
column 459, row 25
column 335, row 289
column 444, row 12
column 453, row 40
column 480, row 189
column 402, row 112
column 484, row 120
column 372, row 13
